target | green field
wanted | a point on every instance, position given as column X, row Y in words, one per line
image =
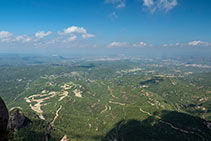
column 107, row 99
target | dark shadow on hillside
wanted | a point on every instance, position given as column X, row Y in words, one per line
column 152, row 81
column 172, row 126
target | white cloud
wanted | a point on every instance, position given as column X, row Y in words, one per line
column 148, row 3
column 85, row 36
column 62, row 39
column 118, row 44
column 192, row 43
column 177, row 44
column 118, row 3
column 126, row 44
column 141, row 44
column 8, row 37
column 198, row 43
column 5, row 36
column 74, row 29
column 72, row 38
column 121, row 5
column 172, row 45
column 165, row 5
column 23, row 38
column 42, row 34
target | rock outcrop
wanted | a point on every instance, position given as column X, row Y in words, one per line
column 16, row 120
column 4, row 116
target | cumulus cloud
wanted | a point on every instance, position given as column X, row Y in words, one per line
column 126, row 44
column 5, row 34
column 85, row 36
column 23, row 38
column 148, row 3
column 118, row 44
column 141, row 44
column 71, row 38
column 198, row 43
column 177, row 44
column 42, row 34
column 173, row 45
column 73, row 30
column 117, row 3
column 191, row 43
column 154, row 5
column 63, row 39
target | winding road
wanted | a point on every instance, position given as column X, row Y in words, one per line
column 57, row 114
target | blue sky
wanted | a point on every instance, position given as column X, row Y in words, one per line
column 28, row 25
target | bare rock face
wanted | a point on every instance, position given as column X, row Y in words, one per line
column 16, row 120
column 65, row 138
column 4, row 116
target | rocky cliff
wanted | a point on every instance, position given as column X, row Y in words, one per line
column 4, row 116
column 16, row 120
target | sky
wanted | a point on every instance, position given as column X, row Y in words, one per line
column 105, row 26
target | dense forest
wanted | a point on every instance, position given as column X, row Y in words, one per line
column 101, row 99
